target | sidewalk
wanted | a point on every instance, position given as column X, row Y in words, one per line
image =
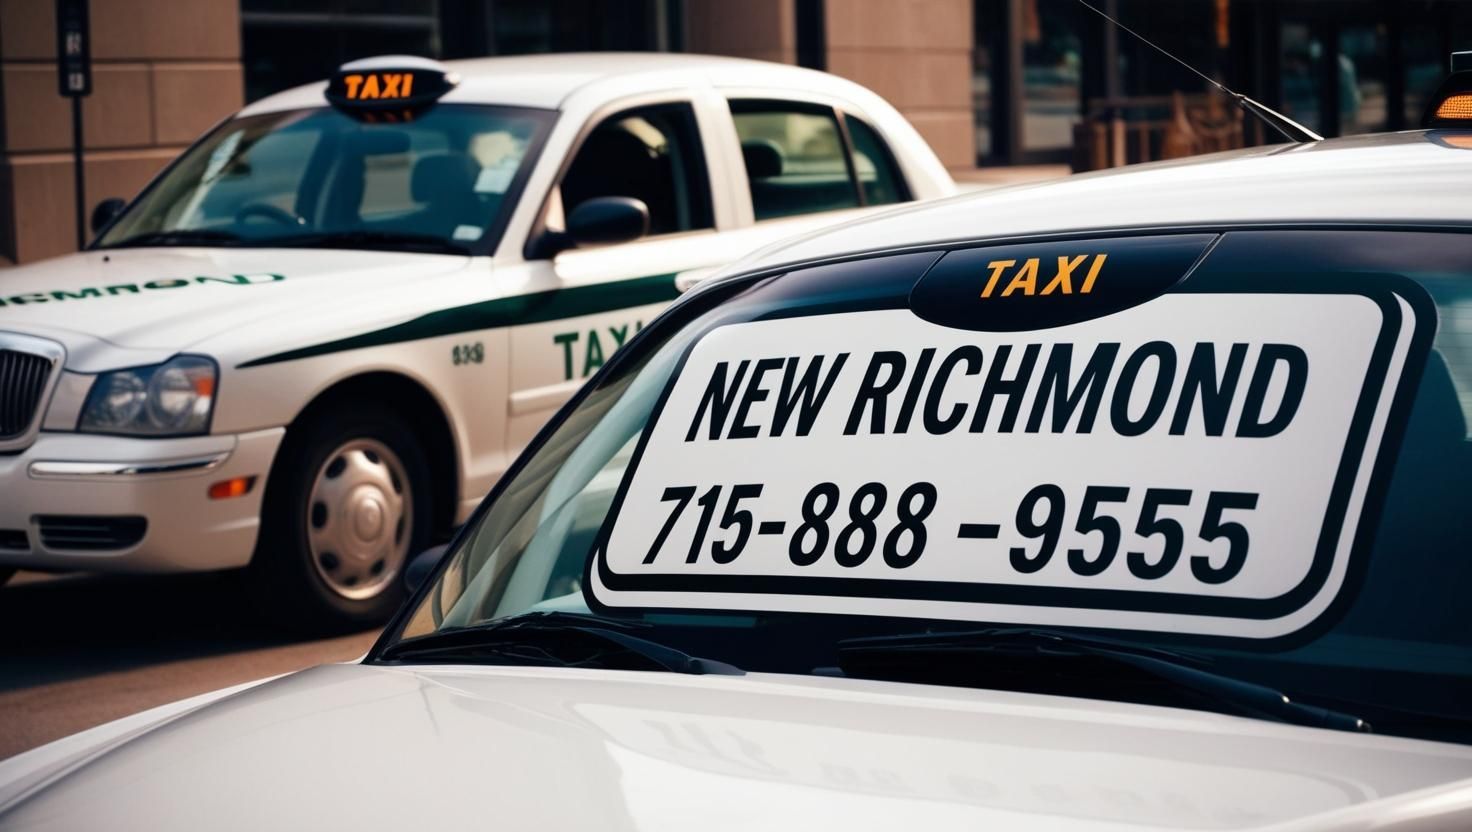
column 981, row 179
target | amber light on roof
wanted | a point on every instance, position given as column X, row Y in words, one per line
column 1456, row 107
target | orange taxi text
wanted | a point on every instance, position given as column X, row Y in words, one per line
column 1028, row 279
column 379, row 85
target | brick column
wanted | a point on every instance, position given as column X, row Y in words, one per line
column 917, row 54
column 163, row 72
column 762, row 29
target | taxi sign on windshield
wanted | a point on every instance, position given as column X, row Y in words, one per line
column 389, row 86
column 1135, row 449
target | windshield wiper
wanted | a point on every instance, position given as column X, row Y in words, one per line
column 559, row 639
column 178, row 236
column 968, row 657
column 363, row 238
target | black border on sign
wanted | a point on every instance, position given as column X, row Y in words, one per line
column 1382, row 290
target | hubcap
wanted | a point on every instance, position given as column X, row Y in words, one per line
column 359, row 516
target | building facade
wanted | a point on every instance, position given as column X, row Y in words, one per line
column 987, row 82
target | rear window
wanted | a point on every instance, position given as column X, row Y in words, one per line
column 1251, row 448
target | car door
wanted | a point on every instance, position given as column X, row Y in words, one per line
column 584, row 303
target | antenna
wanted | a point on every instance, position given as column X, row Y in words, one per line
column 1290, row 129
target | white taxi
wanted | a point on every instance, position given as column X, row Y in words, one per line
column 1134, row 501
column 315, row 341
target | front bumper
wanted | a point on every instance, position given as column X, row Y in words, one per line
column 163, row 481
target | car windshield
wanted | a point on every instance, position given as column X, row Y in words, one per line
column 701, row 488
column 442, row 182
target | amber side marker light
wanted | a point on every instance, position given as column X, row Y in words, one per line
column 237, row 487
column 1457, row 107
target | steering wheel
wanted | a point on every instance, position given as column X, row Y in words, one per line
column 270, row 212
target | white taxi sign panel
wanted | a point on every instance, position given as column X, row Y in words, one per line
column 1202, row 463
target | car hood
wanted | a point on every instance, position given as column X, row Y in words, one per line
column 172, row 298
column 357, row 747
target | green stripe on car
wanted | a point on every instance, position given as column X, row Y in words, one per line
column 537, row 307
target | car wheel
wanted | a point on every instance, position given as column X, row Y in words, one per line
column 347, row 505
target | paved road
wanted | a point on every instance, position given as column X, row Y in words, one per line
column 78, row 651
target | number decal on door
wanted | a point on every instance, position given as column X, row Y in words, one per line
column 468, row 354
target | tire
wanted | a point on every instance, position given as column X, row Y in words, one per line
column 348, row 503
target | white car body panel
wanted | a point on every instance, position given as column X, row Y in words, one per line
column 281, row 323
column 367, row 748
column 1412, row 177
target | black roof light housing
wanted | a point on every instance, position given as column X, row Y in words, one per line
column 1451, row 106
column 389, row 87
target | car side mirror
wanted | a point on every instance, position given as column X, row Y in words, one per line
column 421, row 565
column 602, row 220
column 608, row 219
column 106, row 211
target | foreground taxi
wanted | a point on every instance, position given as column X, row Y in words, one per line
column 1135, row 501
column 318, row 338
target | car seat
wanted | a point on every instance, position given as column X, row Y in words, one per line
column 444, row 184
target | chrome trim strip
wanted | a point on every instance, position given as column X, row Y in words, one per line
column 48, row 349
column 60, row 469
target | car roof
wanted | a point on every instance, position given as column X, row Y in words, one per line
column 546, row 81
column 1414, row 177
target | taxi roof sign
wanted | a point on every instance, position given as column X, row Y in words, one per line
column 1451, row 106
column 389, row 83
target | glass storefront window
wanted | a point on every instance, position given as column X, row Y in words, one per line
column 1362, row 73
column 290, row 42
column 981, row 100
column 988, row 55
column 1052, row 73
column 1303, row 58
column 521, row 27
column 285, row 43
column 1425, row 66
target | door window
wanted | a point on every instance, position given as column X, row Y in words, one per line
column 796, row 162
column 651, row 154
column 799, row 160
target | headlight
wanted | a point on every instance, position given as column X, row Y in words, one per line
column 169, row 399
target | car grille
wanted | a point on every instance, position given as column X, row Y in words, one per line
column 90, row 533
column 23, row 378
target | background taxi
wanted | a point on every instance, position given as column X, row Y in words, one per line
column 317, row 339
column 1004, row 512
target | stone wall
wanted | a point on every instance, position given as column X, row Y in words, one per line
column 915, row 53
column 164, row 71
column 762, row 29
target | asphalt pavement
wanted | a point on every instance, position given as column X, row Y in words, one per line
column 78, row 651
